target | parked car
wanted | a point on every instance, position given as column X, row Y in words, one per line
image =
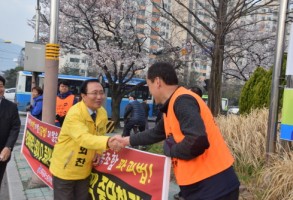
column 233, row 110
column 10, row 94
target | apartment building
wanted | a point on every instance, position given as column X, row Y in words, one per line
column 194, row 56
column 155, row 30
column 76, row 61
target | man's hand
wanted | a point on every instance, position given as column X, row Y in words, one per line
column 114, row 144
column 5, row 154
column 123, row 140
column 168, row 143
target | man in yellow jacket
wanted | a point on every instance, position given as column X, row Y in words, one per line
column 202, row 162
column 80, row 140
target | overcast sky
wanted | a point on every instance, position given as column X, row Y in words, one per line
column 14, row 15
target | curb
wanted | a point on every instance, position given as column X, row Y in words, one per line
column 15, row 187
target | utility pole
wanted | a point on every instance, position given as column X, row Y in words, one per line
column 51, row 67
column 37, row 29
column 35, row 81
column 274, row 99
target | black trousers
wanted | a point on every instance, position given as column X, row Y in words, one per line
column 2, row 170
column 234, row 195
column 71, row 189
column 130, row 124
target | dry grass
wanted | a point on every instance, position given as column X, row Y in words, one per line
column 276, row 179
column 246, row 137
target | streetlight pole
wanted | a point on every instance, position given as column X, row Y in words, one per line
column 51, row 67
column 274, row 100
column 37, row 29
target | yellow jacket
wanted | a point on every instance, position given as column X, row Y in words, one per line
column 79, row 140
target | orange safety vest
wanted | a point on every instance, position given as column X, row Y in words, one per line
column 214, row 160
column 63, row 105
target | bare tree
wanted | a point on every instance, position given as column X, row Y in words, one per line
column 105, row 31
column 249, row 49
column 210, row 35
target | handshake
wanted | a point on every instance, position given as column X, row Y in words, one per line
column 117, row 142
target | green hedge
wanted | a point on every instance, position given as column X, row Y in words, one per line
column 257, row 90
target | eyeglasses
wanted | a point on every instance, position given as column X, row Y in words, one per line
column 97, row 93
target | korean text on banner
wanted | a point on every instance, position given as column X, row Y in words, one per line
column 129, row 174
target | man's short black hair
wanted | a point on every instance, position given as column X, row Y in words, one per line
column 133, row 96
column 163, row 70
column 64, row 82
column 2, row 79
column 83, row 88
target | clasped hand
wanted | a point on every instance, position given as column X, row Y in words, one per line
column 117, row 142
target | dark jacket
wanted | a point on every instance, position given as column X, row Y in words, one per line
column 36, row 109
column 146, row 108
column 9, row 124
column 134, row 111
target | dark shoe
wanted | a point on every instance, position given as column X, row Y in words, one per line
column 178, row 197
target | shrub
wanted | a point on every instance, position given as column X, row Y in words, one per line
column 256, row 91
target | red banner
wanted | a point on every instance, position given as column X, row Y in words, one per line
column 129, row 174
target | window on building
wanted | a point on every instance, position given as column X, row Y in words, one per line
column 140, row 30
column 154, row 24
column 75, row 60
column 140, row 21
column 153, row 42
column 153, row 32
column 141, row 12
column 156, row 14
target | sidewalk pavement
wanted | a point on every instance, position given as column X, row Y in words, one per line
column 19, row 173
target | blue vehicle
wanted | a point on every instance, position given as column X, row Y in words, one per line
column 140, row 93
column 24, row 80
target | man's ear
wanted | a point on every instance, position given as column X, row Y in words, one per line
column 158, row 81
